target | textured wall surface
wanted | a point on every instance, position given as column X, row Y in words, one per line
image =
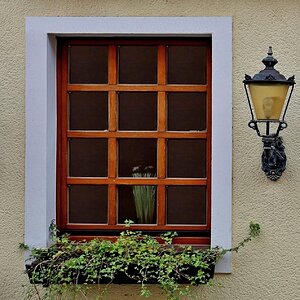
column 270, row 267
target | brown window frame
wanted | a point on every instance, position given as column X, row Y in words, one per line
column 190, row 234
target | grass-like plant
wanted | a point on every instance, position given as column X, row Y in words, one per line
column 68, row 267
column 144, row 195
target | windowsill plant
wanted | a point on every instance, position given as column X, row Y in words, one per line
column 134, row 258
column 144, row 195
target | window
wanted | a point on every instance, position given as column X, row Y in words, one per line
column 134, row 136
column 41, row 110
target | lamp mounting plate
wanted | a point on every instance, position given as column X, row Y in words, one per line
column 273, row 159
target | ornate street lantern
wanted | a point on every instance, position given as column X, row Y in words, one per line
column 268, row 92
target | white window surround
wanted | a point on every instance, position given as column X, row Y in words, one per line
column 40, row 170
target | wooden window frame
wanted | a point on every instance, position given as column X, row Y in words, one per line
column 201, row 232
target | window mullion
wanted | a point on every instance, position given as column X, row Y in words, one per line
column 112, row 142
column 112, row 64
column 161, row 111
column 161, row 68
column 112, row 157
column 161, row 155
column 112, row 206
column 161, row 207
column 112, row 80
column 112, row 113
column 161, row 142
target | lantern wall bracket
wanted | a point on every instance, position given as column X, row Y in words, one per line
column 273, row 159
column 254, row 125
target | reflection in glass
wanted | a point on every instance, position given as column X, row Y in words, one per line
column 137, row 111
column 138, row 64
column 136, row 152
column 187, row 64
column 88, row 111
column 186, row 205
column 87, row 204
column 186, row 111
column 88, row 157
column 186, row 158
column 88, row 64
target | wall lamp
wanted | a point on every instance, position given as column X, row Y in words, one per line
column 268, row 92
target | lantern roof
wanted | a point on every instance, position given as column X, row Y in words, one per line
column 269, row 75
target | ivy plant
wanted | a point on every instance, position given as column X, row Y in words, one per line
column 68, row 266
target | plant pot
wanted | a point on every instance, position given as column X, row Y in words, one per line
column 130, row 277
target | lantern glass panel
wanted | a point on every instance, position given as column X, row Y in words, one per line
column 268, row 100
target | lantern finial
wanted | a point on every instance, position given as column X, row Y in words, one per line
column 270, row 52
column 270, row 61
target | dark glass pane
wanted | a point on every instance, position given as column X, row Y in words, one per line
column 187, row 64
column 134, row 153
column 137, row 203
column 186, row 111
column 186, row 205
column 138, row 64
column 88, row 64
column 137, row 111
column 88, row 157
column 88, row 204
column 88, row 111
column 186, row 158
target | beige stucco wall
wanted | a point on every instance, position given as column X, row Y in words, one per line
column 270, row 266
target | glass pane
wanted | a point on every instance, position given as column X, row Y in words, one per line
column 186, row 111
column 137, row 203
column 187, row 64
column 135, row 153
column 186, row 205
column 186, row 158
column 88, row 64
column 88, row 111
column 88, row 204
column 138, row 64
column 137, row 111
column 268, row 100
column 88, row 157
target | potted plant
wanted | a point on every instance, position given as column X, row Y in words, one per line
column 144, row 195
column 133, row 258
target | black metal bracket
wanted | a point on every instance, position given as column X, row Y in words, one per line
column 273, row 158
column 281, row 125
